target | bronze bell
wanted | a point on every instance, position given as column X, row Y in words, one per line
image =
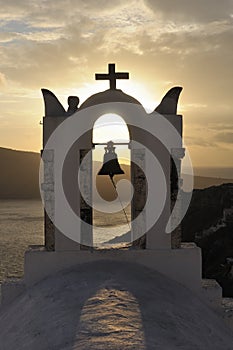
column 111, row 165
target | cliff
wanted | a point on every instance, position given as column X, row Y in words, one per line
column 207, row 226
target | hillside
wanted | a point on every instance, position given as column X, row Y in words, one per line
column 19, row 176
column 201, row 182
column 206, row 209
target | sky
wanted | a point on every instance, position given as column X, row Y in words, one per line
column 60, row 45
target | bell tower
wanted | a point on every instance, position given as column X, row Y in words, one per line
column 143, row 145
column 156, row 153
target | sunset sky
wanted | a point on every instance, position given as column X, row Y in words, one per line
column 60, row 45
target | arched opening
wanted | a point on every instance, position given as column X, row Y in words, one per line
column 111, row 206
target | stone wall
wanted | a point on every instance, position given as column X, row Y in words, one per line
column 47, row 188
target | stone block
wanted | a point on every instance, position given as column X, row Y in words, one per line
column 50, row 209
column 49, row 196
column 46, row 187
column 49, row 172
column 178, row 153
column 48, row 155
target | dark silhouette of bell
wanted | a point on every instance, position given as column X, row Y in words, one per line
column 111, row 165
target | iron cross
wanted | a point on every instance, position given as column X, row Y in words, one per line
column 112, row 76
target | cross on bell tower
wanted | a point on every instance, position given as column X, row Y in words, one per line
column 112, row 76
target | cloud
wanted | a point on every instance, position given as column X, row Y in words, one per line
column 2, row 79
column 60, row 45
column 6, row 37
column 65, row 55
column 199, row 141
column 49, row 13
column 224, row 137
column 192, row 11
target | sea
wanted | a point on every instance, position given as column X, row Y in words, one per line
column 22, row 225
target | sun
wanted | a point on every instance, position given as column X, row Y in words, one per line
column 141, row 93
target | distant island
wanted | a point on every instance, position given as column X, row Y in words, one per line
column 19, row 176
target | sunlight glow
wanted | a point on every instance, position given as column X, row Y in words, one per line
column 142, row 94
column 111, row 127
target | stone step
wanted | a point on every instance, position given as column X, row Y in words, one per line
column 10, row 289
